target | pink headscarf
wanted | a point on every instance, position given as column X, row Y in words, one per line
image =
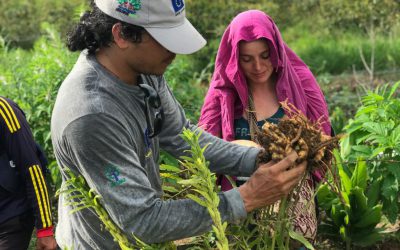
column 227, row 96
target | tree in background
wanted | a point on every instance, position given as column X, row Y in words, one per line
column 371, row 16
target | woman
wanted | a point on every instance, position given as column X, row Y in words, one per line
column 255, row 71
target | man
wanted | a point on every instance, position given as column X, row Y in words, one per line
column 113, row 113
column 24, row 200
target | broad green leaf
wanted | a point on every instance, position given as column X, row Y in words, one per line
column 358, row 201
column 370, row 218
column 345, row 197
column 345, row 147
column 325, row 197
column 359, row 177
column 374, row 192
column 344, row 179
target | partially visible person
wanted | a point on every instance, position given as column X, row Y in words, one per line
column 115, row 111
column 24, row 198
column 254, row 71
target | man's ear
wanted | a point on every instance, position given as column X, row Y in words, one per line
column 121, row 42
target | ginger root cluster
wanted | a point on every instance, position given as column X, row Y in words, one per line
column 299, row 134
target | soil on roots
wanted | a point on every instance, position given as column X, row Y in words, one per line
column 299, row 134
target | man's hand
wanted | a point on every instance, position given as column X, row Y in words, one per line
column 46, row 243
column 270, row 182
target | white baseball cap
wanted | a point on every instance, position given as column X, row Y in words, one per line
column 164, row 20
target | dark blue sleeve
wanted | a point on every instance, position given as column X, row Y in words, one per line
column 18, row 142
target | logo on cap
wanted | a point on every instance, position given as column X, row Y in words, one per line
column 179, row 6
column 129, row 7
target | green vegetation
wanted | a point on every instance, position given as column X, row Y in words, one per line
column 351, row 46
column 374, row 134
column 352, row 214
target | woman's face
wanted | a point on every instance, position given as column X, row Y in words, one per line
column 254, row 60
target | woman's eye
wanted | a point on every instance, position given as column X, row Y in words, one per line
column 246, row 59
column 265, row 56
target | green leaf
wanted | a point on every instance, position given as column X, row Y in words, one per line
column 170, row 189
column 326, row 198
column 393, row 168
column 345, row 197
column 377, row 151
column 374, row 192
column 395, row 136
column 393, row 89
column 354, row 127
column 346, row 220
column 197, row 200
column 296, row 236
column 370, row 218
column 344, row 179
column 366, row 239
column 343, row 232
column 170, row 176
column 337, row 215
column 345, row 147
column 170, row 168
column 359, row 177
column 204, row 194
column 390, row 187
column 391, row 210
column 189, row 182
column 366, row 110
column 358, row 201
column 377, row 128
column 365, row 150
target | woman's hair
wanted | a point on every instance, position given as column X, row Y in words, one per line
column 94, row 31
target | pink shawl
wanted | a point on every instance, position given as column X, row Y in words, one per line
column 227, row 96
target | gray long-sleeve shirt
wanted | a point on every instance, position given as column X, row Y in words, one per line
column 98, row 130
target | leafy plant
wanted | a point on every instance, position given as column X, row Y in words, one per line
column 79, row 195
column 352, row 207
column 203, row 183
column 374, row 134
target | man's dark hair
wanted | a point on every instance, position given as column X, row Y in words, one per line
column 94, row 31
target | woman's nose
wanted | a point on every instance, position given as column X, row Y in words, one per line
column 257, row 64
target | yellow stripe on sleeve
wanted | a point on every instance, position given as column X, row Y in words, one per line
column 6, row 120
column 37, row 196
column 45, row 194
column 18, row 126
